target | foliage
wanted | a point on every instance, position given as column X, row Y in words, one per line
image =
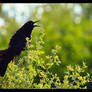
column 30, row 70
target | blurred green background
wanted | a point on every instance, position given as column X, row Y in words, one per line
column 68, row 26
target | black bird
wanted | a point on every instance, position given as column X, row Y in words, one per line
column 16, row 45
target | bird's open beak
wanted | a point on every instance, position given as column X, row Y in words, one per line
column 36, row 25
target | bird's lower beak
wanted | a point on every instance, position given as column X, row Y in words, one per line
column 36, row 25
column 36, row 21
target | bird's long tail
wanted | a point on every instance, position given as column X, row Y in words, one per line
column 5, row 57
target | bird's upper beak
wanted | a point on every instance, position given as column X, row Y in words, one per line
column 36, row 25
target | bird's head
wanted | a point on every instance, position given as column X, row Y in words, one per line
column 28, row 26
column 31, row 24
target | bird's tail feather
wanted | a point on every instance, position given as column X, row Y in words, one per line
column 5, row 58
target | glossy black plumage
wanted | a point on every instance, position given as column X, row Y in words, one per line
column 16, row 45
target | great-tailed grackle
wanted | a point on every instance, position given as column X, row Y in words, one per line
column 16, row 45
